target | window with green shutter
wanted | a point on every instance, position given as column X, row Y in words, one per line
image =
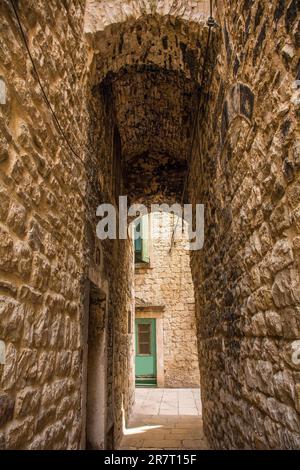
column 141, row 239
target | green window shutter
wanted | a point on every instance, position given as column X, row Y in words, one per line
column 145, row 240
column 141, row 242
column 137, row 241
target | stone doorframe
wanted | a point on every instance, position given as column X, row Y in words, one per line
column 94, row 278
column 155, row 311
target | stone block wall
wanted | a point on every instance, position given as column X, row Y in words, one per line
column 167, row 282
column 245, row 168
column 47, row 232
column 116, row 271
column 104, row 13
column 41, row 226
column 246, row 171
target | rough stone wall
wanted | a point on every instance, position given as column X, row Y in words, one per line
column 246, row 171
column 168, row 282
column 41, row 227
column 102, row 13
column 47, row 233
column 116, row 270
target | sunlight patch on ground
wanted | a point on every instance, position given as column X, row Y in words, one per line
column 140, row 429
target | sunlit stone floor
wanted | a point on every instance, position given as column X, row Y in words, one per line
column 165, row 419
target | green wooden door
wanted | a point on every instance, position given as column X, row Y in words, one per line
column 145, row 352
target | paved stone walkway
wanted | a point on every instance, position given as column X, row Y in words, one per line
column 165, row 419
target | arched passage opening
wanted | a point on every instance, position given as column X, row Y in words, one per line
column 167, row 408
column 150, row 78
column 150, row 59
column 59, row 155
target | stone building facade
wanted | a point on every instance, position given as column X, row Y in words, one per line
column 165, row 285
column 148, row 88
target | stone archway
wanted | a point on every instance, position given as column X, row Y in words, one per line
column 144, row 49
column 147, row 79
column 244, row 167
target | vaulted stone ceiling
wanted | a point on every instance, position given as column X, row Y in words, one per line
column 154, row 110
column 155, row 114
column 153, row 66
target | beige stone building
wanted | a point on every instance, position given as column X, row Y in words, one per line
column 164, row 290
column 156, row 100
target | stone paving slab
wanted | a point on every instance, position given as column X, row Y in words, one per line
column 165, row 419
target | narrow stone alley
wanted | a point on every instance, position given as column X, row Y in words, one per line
column 110, row 105
column 165, row 419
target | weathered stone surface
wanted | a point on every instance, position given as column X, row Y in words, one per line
column 288, row 52
column 27, row 367
column 286, row 289
column 274, row 323
column 11, row 319
column 6, row 408
column 297, row 398
column 103, row 13
column 27, row 293
column 167, row 282
column 244, row 166
column 3, row 92
column 8, row 288
column 4, row 206
column 19, row 433
column 281, row 257
column 283, row 414
column 8, row 373
column 2, row 441
column 23, row 259
column 249, row 169
column 3, row 150
column 257, row 325
column 259, row 375
column 284, row 386
column 40, row 272
column 6, row 251
column 16, row 218
column 291, row 322
column 27, row 402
